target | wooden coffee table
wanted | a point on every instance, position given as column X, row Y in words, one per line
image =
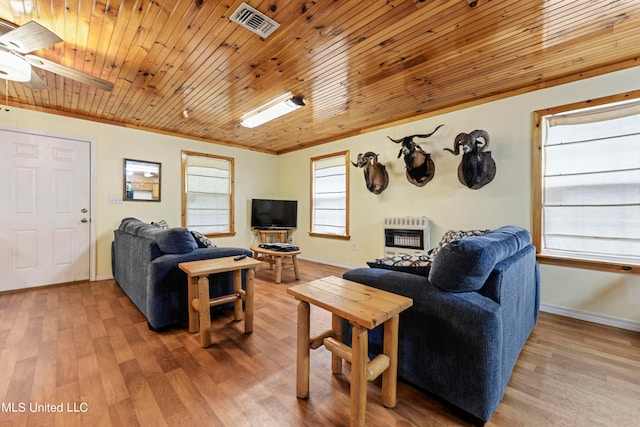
column 365, row 308
column 276, row 258
column 200, row 301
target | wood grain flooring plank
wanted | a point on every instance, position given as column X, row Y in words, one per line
column 93, row 346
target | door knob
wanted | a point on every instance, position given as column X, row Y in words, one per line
column 84, row 220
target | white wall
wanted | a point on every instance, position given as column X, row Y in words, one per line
column 114, row 143
column 449, row 205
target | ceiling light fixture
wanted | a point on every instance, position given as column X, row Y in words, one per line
column 273, row 109
column 14, row 68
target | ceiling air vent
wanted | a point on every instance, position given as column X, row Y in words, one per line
column 255, row 21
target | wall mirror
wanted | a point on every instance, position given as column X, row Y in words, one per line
column 141, row 181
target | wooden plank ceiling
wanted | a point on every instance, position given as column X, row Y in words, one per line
column 360, row 65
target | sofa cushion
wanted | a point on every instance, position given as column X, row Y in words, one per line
column 170, row 241
column 175, row 241
column 131, row 225
column 464, row 265
column 414, row 264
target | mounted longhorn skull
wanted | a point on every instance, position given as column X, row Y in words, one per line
column 375, row 174
column 420, row 167
column 477, row 168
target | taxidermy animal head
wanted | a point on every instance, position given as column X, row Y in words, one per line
column 420, row 167
column 375, row 174
column 477, row 168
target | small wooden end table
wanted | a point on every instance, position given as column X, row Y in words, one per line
column 276, row 258
column 264, row 235
column 365, row 308
column 200, row 301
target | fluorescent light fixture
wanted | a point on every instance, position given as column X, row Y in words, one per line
column 273, row 109
column 14, row 68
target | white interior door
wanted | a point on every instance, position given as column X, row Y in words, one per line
column 45, row 233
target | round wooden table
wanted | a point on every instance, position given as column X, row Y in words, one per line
column 276, row 258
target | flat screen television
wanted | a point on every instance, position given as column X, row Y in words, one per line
column 269, row 213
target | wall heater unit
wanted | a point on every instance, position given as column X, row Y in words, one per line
column 406, row 235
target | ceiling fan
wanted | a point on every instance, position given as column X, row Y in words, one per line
column 16, row 62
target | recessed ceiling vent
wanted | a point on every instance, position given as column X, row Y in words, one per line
column 255, row 21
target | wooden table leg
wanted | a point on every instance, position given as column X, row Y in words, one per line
column 205, row 312
column 248, row 300
column 336, row 326
column 359, row 357
column 302, row 359
column 192, row 292
column 390, row 375
column 237, row 286
column 294, row 258
column 278, row 269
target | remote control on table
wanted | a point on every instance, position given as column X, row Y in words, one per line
column 239, row 257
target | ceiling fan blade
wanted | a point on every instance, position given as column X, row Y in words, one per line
column 36, row 82
column 70, row 73
column 29, row 37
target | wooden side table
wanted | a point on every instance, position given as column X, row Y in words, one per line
column 365, row 307
column 277, row 258
column 199, row 298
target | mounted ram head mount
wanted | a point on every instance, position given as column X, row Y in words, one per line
column 477, row 168
column 375, row 174
column 420, row 167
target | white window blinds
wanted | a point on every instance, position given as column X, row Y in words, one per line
column 208, row 194
column 329, row 196
column 591, row 184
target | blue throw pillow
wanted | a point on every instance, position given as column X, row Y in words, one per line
column 175, row 241
column 464, row 265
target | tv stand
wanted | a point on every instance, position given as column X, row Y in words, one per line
column 265, row 233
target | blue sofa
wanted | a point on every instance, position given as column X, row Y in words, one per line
column 144, row 261
column 470, row 318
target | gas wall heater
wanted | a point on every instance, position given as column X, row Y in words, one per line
column 406, row 235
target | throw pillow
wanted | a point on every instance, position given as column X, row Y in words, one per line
column 201, row 240
column 452, row 236
column 162, row 224
column 414, row 264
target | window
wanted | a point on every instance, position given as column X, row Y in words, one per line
column 207, row 204
column 587, row 185
column 330, row 195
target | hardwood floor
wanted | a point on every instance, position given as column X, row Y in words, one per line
column 84, row 349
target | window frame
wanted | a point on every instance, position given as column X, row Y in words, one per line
column 312, row 233
column 538, row 189
column 185, row 155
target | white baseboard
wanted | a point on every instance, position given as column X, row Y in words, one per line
column 591, row 317
column 104, row 277
column 335, row 264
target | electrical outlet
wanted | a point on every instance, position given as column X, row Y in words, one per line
column 354, row 247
